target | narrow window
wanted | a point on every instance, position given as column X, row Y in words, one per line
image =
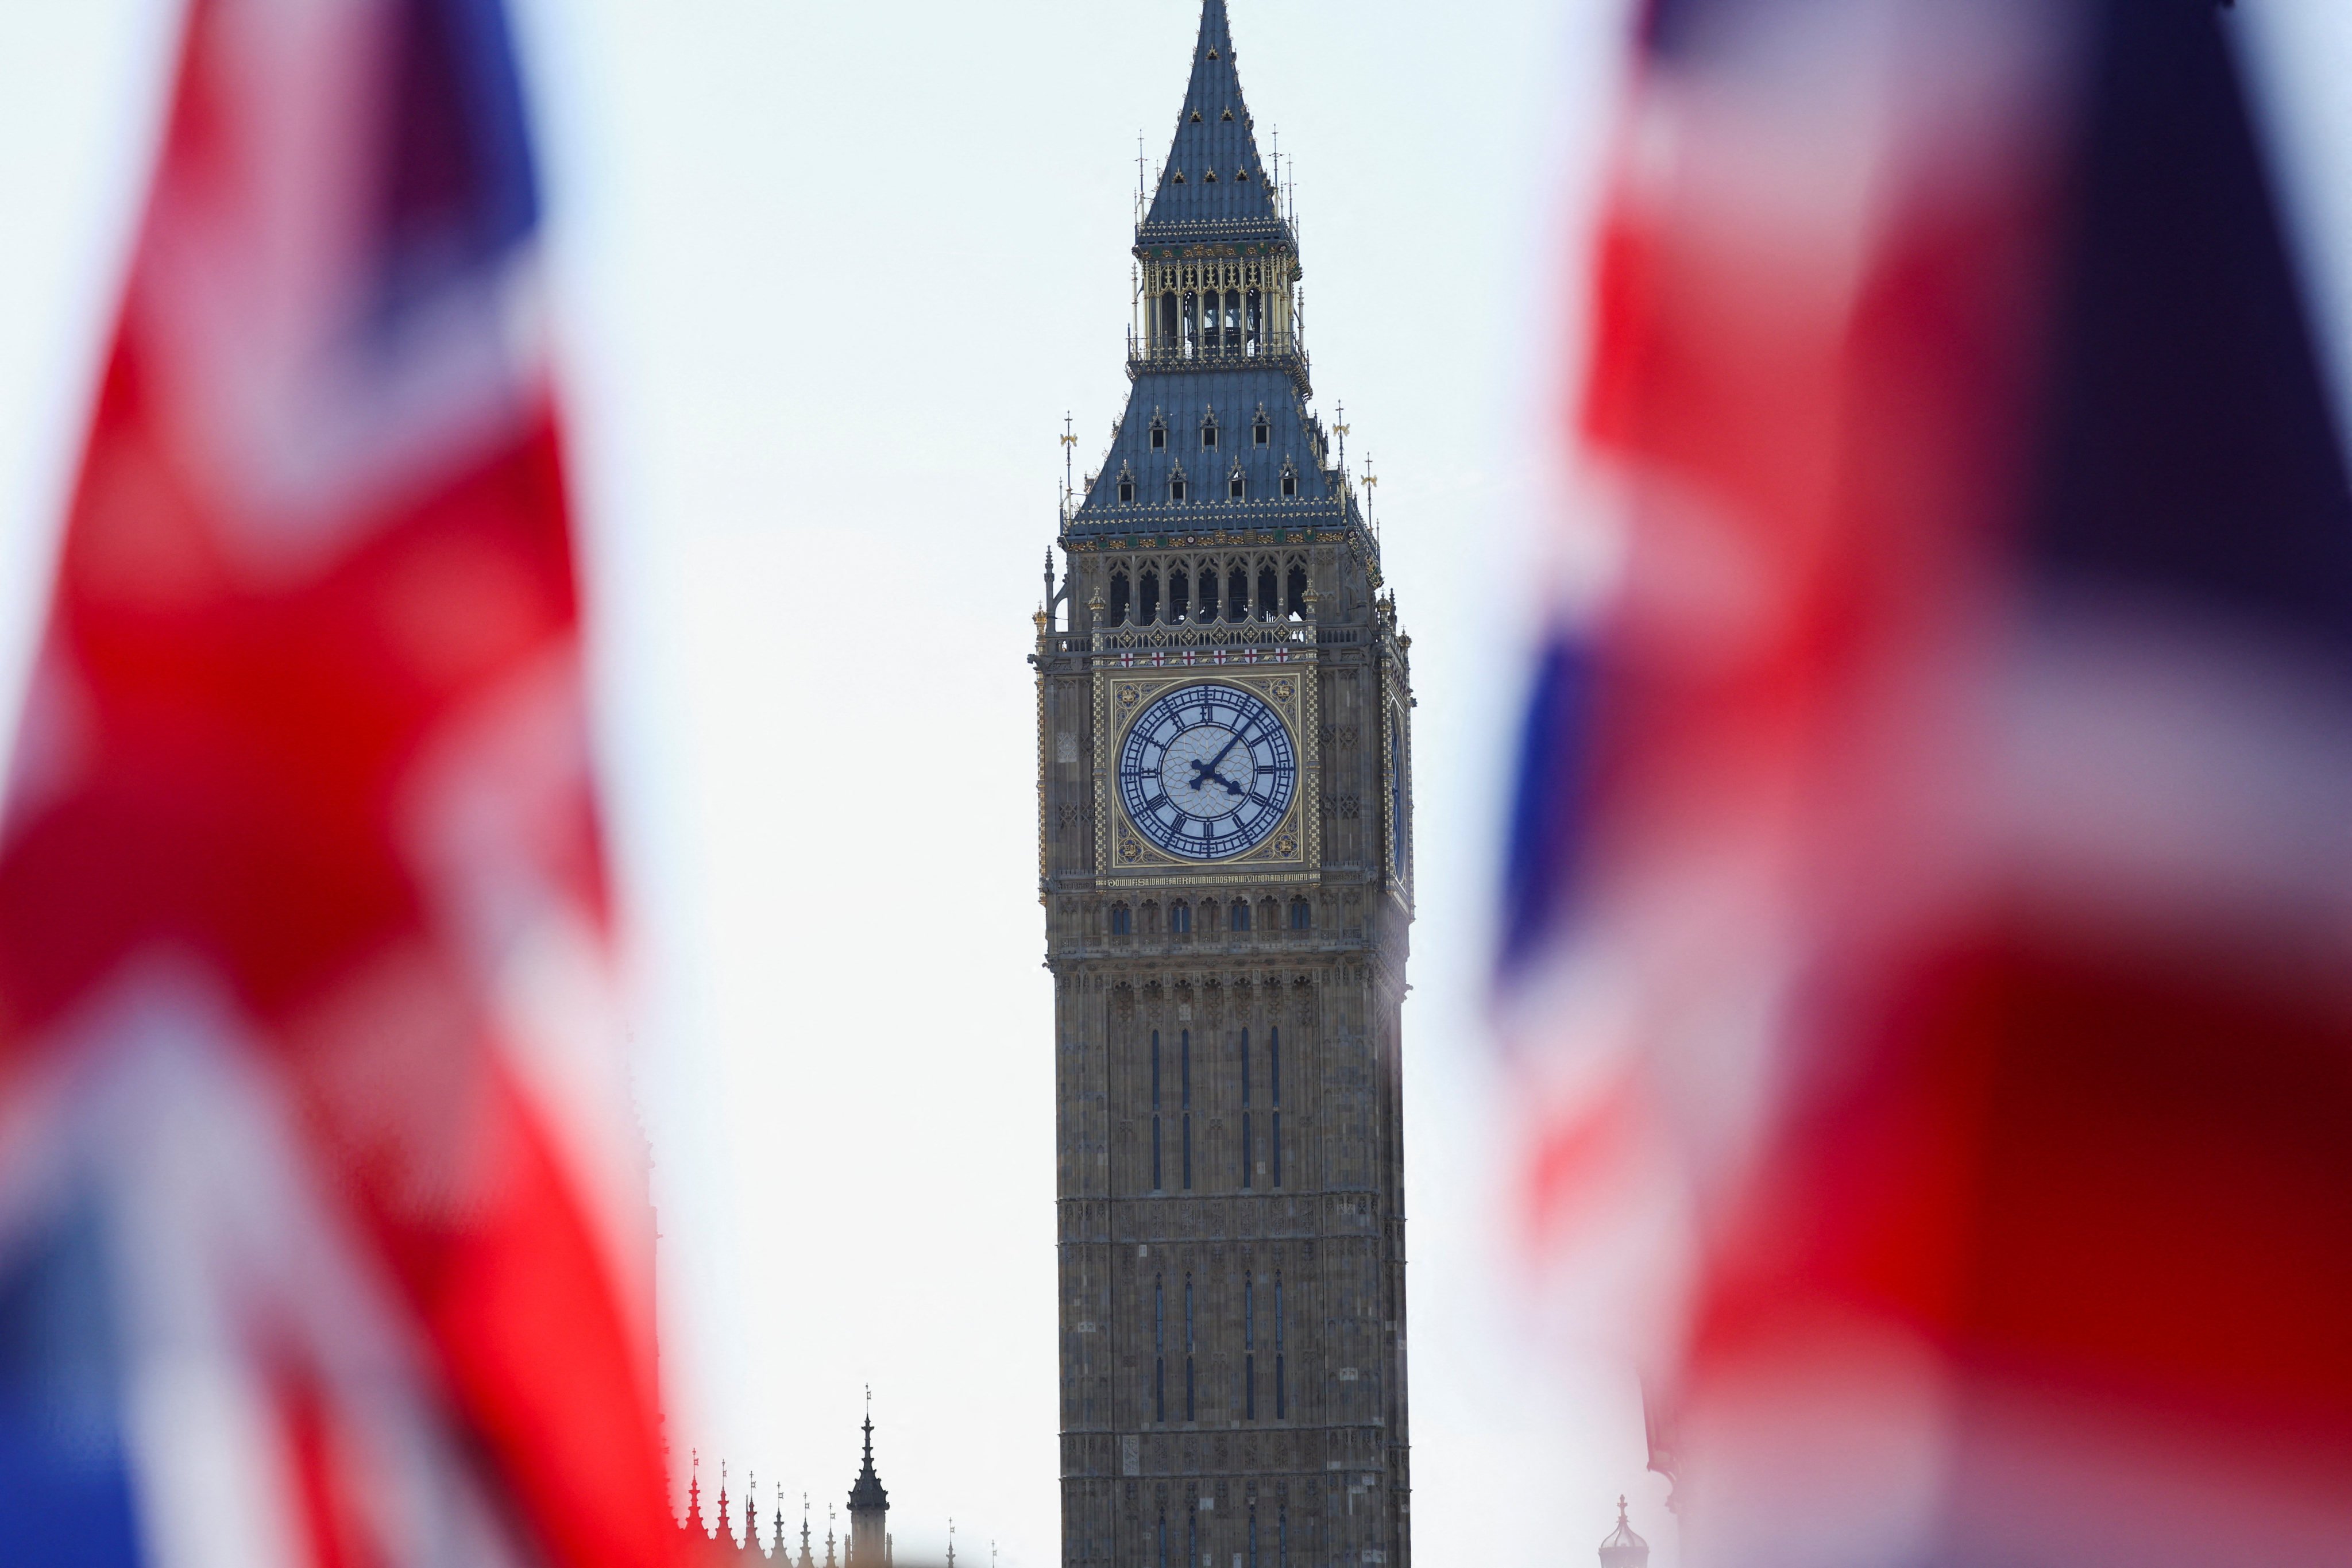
column 1209, row 437
column 1249, row 1350
column 1188, row 1348
column 1233, row 317
column 1209, row 592
column 1119, row 596
column 1237, row 489
column 1247, row 1152
column 1192, row 1537
column 1298, row 593
column 1159, row 1350
column 1261, row 432
column 1240, row 916
column 1156, row 1184
column 1256, row 333
column 1273, row 1076
column 1163, row 1542
column 1184, row 1072
column 1148, row 602
column 1302, row 915
column 1126, row 492
column 1191, row 314
column 1289, row 483
column 1179, row 920
column 1281, row 1538
column 1281, row 1396
column 1180, row 595
column 1176, row 490
column 1166, row 329
column 1121, row 920
column 1237, row 591
column 1268, row 590
column 1252, row 1538
column 1159, row 437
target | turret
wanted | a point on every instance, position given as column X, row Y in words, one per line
column 1623, row 1549
column 869, row 1510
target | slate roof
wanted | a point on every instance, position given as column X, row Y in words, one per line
column 1213, row 186
column 1183, row 401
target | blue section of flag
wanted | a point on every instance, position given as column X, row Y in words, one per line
column 2192, row 455
column 65, row 1485
column 1547, row 806
column 460, row 189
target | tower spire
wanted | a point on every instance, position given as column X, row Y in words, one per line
column 1213, row 186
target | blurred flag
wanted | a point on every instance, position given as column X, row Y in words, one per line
column 322, row 1226
column 1930, row 900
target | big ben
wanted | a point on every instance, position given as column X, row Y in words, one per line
column 1224, row 722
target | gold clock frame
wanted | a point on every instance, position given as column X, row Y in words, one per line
column 1290, row 853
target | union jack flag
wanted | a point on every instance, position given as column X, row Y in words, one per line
column 323, row 1236
column 1930, row 897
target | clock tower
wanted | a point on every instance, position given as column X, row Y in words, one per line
column 1226, row 867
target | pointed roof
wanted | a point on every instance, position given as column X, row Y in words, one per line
column 1213, row 186
column 1623, row 1549
column 867, row 1495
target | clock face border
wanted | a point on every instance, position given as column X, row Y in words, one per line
column 1123, row 696
column 1257, row 746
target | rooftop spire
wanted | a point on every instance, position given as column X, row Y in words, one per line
column 1215, row 185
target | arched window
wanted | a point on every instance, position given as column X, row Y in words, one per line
column 1179, row 920
column 1159, row 434
column 1261, row 432
column 1177, row 488
column 1209, row 591
column 1269, row 915
column 1147, row 600
column 1237, row 591
column 1180, row 593
column 1208, row 434
column 1192, row 321
column 1257, row 325
column 1302, row 915
column 1290, row 481
column 1117, row 609
column 1155, row 1182
column 1126, row 491
column 1298, row 595
column 1159, row 1371
column 1209, row 912
column 1241, row 914
column 1237, row 487
column 1233, row 319
column 1269, row 591
column 1168, row 321
column 1122, row 920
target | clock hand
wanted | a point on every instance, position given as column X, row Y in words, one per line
column 1201, row 771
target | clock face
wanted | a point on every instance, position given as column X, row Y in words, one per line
column 1207, row 771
